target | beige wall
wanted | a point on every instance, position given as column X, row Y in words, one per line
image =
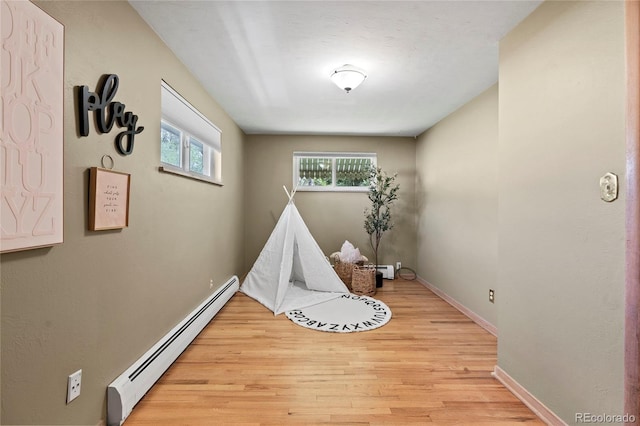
column 523, row 217
column 457, row 197
column 331, row 217
column 101, row 299
column 561, row 249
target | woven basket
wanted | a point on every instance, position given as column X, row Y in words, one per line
column 344, row 271
column 363, row 280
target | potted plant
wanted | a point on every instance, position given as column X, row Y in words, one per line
column 383, row 191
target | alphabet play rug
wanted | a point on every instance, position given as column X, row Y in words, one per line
column 346, row 314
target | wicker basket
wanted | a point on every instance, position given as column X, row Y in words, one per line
column 363, row 280
column 344, row 271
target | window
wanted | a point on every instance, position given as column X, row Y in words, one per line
column 196, row 156
column 332, row 171
column 170, row 145
column 189, row 142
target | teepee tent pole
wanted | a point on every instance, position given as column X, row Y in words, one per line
column 290, row 195
column 285, row 190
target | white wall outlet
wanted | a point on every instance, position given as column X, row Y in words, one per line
column 211, row 283
column 73, row 386
column 398, row 266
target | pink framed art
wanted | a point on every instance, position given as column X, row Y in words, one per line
column 31, row 127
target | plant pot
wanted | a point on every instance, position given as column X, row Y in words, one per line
column 378, row 279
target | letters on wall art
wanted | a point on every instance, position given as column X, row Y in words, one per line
column 107, row 113
column 31, row 117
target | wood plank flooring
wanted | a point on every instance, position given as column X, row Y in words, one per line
column 429, row 365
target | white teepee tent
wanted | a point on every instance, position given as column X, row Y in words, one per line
column 292, row 272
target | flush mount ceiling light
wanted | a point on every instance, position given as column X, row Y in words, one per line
column 348, row 77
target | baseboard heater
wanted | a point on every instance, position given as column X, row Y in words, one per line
column 125, row 391
column 387, row 271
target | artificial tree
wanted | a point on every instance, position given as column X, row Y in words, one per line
column 383, row 191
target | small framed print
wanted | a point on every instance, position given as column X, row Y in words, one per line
column 108, row 199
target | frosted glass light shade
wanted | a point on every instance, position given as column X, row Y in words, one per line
column 348, row 77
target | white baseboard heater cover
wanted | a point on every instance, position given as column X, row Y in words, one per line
column 388, row 272
column 125, row 391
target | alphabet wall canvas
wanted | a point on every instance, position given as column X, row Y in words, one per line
column 31, row 127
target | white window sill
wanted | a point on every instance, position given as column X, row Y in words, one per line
column 332, row 189
column 165, row 168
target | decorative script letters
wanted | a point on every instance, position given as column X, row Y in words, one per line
column 107, row 113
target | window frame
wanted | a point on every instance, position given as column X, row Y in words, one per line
column 193, row 127
column 333, row 156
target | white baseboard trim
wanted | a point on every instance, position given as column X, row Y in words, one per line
column 459, row 306
column 538, row 408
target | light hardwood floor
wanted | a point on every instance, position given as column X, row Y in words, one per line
column 429, row 365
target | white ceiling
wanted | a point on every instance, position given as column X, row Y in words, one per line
column 267, row 63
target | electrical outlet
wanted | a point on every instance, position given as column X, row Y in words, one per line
column 492, row 295
column 73, row 386
column 398, row 266
column 210, row 283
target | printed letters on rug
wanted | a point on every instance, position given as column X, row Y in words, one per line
column 347, row 314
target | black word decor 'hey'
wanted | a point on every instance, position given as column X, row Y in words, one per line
column 107, row 113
